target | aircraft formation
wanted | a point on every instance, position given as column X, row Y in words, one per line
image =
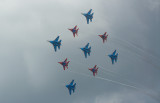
column 86, row 50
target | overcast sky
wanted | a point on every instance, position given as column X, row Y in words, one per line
column 29, row 72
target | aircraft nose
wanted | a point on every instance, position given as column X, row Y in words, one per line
column 49, row 41
column 67, row 86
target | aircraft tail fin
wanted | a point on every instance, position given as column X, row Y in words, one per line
column 77, row 32
column 96, row 71
column 74, row 87
column 59, row 44
column 92, row 14
column 90, row 49
column 68, row 62
column 116, row 57
column 91, row 19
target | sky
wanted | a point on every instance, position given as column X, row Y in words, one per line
column 29, row 69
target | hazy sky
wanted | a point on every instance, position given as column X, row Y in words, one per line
column 29, row 72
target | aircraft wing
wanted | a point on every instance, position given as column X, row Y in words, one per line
column 55, row 48
column 75, row 27
column 72, row 82
column 114, row 52
column 87, row 45
column 65, row 60
column 56, row 38
column 89, row 12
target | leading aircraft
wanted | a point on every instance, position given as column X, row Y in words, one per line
column 71, row 87
column 64, row 64
column 56, row 43
column 74, row 30
column 89, row 16
column 86, row 50
column 94, row 70
column 104, row 37
column 113, row 57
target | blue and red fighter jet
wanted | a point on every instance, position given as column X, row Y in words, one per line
column 74, row 31
column 94, row 70
column 104, row 37
column 64, row 64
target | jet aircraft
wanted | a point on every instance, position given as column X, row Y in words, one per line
column 89, row 16
column 104, row 37
column 94, row 70
column 64, row 64
column 74, row 30
column 86, row 50
column 113, row 57
column 71, row 87
column 56, row 43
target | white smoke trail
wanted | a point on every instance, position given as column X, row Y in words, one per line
column 104, row 79
column 133, row 87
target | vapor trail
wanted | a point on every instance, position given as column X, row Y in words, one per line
column 144, row 92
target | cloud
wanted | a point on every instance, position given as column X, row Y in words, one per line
column 29, row 70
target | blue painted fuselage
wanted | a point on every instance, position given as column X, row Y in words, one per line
column 113, row 57
column 89, row 16
column 56, row 43
column 86, row 50
column 71, row 87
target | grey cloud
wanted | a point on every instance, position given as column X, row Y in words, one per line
column 29, row 70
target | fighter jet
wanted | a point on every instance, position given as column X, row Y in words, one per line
column 94, row 70
column 64, row 64
column 56, row 43
column 104, row 37
column 71, row 87
column 86, row 50
column 88, row 16
column 74, row 30
column 113, row 57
